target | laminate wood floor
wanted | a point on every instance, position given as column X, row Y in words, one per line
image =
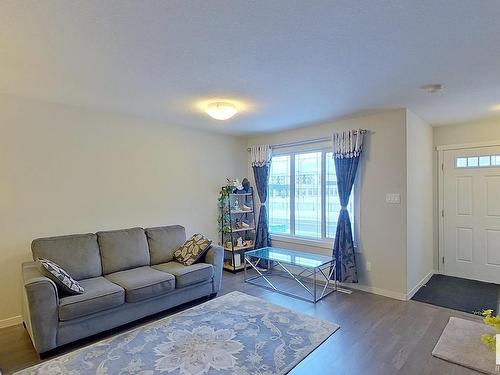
column 377, row 335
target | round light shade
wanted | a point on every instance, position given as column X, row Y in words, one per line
column 221, row 110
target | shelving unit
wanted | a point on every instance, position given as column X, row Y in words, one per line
column 232, row 217
column 243, row 229
column 239, row 248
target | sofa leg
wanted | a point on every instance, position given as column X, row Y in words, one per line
column 24, row 324
column 50, row 353
column 44, row 355
column 212, row 296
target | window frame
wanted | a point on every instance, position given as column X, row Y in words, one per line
column 491, row 163
column 323, row 241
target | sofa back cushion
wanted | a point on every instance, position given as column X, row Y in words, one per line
column 78, row 254
column 123, row 249
column 163, row 241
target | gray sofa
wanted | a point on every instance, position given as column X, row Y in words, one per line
column 127, row 274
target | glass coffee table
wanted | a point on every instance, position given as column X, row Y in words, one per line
column 312, row 272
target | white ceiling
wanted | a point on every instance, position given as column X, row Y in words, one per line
column 292, row 62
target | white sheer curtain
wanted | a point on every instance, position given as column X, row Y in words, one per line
column 347, row 144
column 260, row 155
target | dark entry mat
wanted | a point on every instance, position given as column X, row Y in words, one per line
column 459, row 294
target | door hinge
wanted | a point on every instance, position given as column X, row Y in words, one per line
column 442, row 213
column 442, row 166
column 443, row 260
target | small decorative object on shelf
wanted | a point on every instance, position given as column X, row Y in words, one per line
column 239, row 242
column 236, row 222
column 238, row 187
column 246, row 185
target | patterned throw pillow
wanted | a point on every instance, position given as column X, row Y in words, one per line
column 62, row 279
column 192, row 249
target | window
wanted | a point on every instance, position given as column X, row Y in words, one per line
column 279, row 195
column 478, row 161
column 308, row 194
column 303, row 198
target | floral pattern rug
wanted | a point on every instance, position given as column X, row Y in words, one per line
column 235, row 334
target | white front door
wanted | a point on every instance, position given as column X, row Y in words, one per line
column 471, row 230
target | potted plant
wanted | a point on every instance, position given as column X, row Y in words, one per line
column 492, row 321
column 224, row 219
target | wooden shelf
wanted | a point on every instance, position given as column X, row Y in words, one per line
column 230, row 268
column 242, row 194
column 239, row 248
column 242, row 229
column 241, row 212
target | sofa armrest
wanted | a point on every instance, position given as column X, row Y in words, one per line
column 40, row 307
column 215, row 257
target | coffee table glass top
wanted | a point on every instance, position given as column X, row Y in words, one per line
column 291, row 257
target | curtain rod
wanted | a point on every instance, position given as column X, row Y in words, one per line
column 306, row 142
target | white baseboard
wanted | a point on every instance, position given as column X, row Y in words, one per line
column 4, row 323
column 414, row 290
column 374, row 290
column 370, row 289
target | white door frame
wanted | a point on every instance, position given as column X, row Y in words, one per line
column 440, row 151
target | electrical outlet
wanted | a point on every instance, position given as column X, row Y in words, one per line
column 393, row 198
column 368, row 266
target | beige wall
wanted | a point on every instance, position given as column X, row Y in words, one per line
column 468, row 132
column 419, row 232
column 65, row 170
column 485, row 130
column 382, row 226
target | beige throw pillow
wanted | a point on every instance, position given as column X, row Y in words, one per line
column 192, row 250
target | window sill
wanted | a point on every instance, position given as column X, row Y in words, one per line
column 323, row 244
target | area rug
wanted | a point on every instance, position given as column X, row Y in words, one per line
column 232, row 334
column 460, row 343
column 459, row 294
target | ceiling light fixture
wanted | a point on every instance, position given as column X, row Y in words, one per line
column 221, row 110
column 432, row 88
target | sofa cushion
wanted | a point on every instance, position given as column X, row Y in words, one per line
column 192, row 250
column 100, row 294
column 60, row 277
column 78, row 254
column 123, row 249
column 187, row 275
column 142, row 283
column 163, row 241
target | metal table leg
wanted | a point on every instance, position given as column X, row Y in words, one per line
column 314, row 272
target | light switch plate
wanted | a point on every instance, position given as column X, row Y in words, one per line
column 393, row 198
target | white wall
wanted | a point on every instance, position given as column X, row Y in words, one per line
column 65, row 170
column 419, row 224
column 382, row 226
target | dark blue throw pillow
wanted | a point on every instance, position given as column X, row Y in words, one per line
column 62, row 279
